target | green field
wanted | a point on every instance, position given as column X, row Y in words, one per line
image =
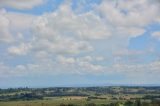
column 80, row 101
column 86, row 96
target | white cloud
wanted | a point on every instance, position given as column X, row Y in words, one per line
column 3, row 69
column 19, row 21
column 130, row 32
column 61, row 45
column 79, row 65
column 126, row 52
column 7, row 71
column 22, row 49
column 91, row 58
column 91, row 68
column 21, row 4
column 140, row 73
column 65, row 22
column 129, row 13
column 60, row 65
column 5, row 34
column 156, row 35
column 76, row 37
column 66, row 61
column 128, row 18
column 12, row 25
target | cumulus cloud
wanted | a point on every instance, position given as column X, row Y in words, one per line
column 7, row 71
column 156, row 35
column 60, row 65
column 5, row 33
column 21, row 4
column 12, row 24
column 61, row 45
column 66, row 23
column 21, row 49
column 138, row 70
column 129, row 13
column 64, row 41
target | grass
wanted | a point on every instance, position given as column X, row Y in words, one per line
column 78, row 100
column 95, row 95
column 81, row 101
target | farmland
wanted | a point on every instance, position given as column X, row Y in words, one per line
column 81, row 96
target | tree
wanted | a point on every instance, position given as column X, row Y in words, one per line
column 129, row 103
column 138, row 102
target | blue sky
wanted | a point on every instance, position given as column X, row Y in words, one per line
column 71, row 43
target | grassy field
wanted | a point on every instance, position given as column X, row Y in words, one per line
column 81, row 101
column 84, row 96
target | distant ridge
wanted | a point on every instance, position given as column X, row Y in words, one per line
column 88, row 85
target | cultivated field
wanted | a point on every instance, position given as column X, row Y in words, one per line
column 91, row 96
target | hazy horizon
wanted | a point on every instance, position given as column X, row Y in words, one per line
column 84, row 86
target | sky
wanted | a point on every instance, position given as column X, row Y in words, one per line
column 47, row 43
